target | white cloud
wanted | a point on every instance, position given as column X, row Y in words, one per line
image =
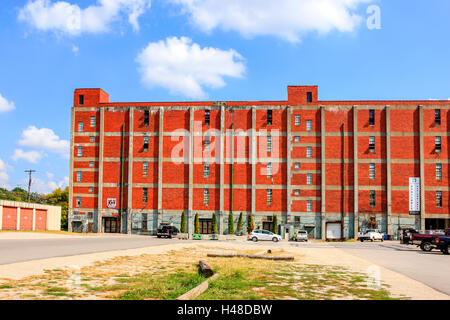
column 6, row 105
column 64, row 17
column 75, row 50
column 44, row 139
column 185, row 68
column 46, row 187
column 287, row 19
column 4, row 177
column 30, row 156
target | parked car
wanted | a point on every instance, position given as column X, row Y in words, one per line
column 301, row 235
column 167, row 231
column 371, row 234
column 422, row 240
column 263, row 235
column 442, row 243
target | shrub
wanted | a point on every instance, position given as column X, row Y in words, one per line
column 183, row 223
column 230, row 223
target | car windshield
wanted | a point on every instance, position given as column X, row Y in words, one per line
column 302, row 232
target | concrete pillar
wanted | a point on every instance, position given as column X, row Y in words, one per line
column 160, row 163
column 355, row 173
column 100, row 172
column 253, row 146
column 422, row 171
column 388, row 172
column 190, row 214
column 1, row 217
column 222, row 167
column 70, row 208
column 323, row 170
column 34, row 219
column 18, row 218
column 289, row 165
column 130, row 169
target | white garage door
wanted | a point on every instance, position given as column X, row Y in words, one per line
column 334, row 231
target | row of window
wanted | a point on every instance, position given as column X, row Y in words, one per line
column 81, row 125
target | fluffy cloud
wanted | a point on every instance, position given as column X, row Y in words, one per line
column 288, row 19
column 64, row 17
column 44, row 139
column 30, row 156
column 46, row 187
column 5, row 105
column 4, row 177
column 185, row 68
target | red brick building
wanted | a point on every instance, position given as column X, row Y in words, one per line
column 329, row 167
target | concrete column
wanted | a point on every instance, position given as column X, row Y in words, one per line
column 70, row 208
column 18, row 218
column 34, row 219
column 100, row 172
column 253, row 159
column 190, row 215
column 222, row 167
column 355, row 172
column 323, row 168
column 130, row 169
column 1, row 217
column 160, row 163
column 388, row 172
column 289, row 165
column 422, row 171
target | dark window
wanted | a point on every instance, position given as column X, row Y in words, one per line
column 372, row 144
column 145, row 144
column 372, row 198
column 207, row 117
column 146, row 118
column 437, row 117
column 269, row 117
column 439, row 199
column 81, row 99
column 438, row 144
column 144, row 195
column 372, row 117
column 309, row 97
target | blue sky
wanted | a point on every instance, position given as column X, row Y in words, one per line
column 171, row 50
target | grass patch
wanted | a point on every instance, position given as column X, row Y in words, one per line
column 4, row 286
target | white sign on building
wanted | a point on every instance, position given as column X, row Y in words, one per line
column 111, row 203
column 414, row 196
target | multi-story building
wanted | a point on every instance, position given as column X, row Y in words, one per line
column 329, row 167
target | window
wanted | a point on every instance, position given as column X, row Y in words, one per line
column 146, row 118
column 309, row 178
column 372, row 144
column 439, row 199
column 206, row 170
column 309, row 152
column 145, row 144
column 81, row 99
column 297, row 192
column 437, row 117
column 308, row 125
column 269, row 143
column 297, row 165
column 90, row 215
column 297, row 139
column 207, row 144
column 144, row 195
column 269, row 197
column 269, row 170
column 79, row 176
column 309, row 97
column 91, row 164
column 91, row 189
column 207, row 117
column 145, row 169
column 297, row 120
column 80, row 151
column 78, row 202
column 438, row 144
column 92, row 121
column 206, row 196
column 372, row 198
column 309, row 205
column 269, row 117
column 297, row 221
column 438, row 171
column 92, row 139
column 371, row 117
column 80, row 126
column 372, row 171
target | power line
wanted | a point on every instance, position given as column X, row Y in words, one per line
column 30, row 172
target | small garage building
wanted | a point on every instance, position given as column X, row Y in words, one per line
column 29, row 216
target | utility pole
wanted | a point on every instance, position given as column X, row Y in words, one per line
column 30, row 172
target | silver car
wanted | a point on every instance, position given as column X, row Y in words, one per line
column 263, row 235
column 301, row 235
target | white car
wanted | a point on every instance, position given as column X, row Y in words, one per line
column 301, row 235
column 263, row 235
column 372, row 235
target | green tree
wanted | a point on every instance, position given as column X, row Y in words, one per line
column 196, row 224
column 59, row 198
column 183, row 223
column 230, row 223
column 250, row 223
column 214, row 224
column 275, row 224
column 239, row 227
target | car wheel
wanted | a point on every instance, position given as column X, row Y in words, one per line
column 275, row 239
column 371, row 240
column 255, row 239
column 446, row 250
column 159, row 236
column 362, row 240
column 426, row 246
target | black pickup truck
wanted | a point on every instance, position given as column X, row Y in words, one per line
column 166, row 231
column 442, row 243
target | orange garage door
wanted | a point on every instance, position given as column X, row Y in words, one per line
column 9, row 218
column 41, row 219
column 26, row 219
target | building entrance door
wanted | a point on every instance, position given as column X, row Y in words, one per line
column 206, row 226
column 110, row 225
column 268, row 226
column 77, row 226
